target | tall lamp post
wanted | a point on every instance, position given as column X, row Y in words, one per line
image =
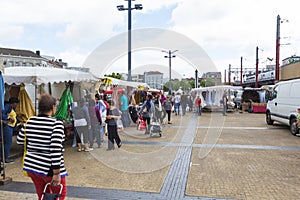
column 170, row 56
column 279, row 20
column 229, row 74
column 256, row 68
column 241, row 72
column 129, row 8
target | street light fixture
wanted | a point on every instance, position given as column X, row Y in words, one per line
column 129, row 8
column 120, row 7
column 170, row 56
column 279, row 20
column 138, row 6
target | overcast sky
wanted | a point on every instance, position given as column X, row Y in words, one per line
column 224, row 29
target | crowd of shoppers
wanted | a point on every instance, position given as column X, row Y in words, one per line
column 43, row 137
column 93, row 118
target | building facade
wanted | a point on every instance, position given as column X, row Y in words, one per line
column 26, row 58
column 216, row 76
column 290, row 68
column 154, row 79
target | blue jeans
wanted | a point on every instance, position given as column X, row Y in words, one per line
column 177, row 108
column 125, row 118
column 95, row 132
column 7, row 135
column 199, row 110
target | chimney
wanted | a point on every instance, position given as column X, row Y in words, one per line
column 38, row 53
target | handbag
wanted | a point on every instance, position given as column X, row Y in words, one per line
column 119, row 124
column 142, row 125
column 50, row 195
column 80, row 122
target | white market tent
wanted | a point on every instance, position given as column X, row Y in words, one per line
column 213, row 95
column 43, row 75
column 32, row 77
column 119, row 82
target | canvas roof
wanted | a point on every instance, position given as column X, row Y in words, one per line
column 40, row 75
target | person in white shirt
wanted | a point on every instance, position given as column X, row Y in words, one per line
column 177, row 100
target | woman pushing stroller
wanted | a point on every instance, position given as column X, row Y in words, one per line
column 147, row 110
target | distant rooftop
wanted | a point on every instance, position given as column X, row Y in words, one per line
column 153, row 72
column 19, row 52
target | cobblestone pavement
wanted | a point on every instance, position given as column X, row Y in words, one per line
column 216, row 157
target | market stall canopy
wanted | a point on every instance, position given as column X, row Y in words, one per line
column 120, row 90
column 213, row 94
column 114, row 81
column 40, row 75
column 154, row 91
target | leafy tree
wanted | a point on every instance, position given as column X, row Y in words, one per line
column 207, row 82
column 192, row 83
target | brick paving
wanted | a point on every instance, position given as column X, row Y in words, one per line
column 248, row 166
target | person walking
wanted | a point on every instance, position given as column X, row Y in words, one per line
column 172, row 99
column 190, row 103
column 124, row 103
column 113, row 114
column 102, row 106
column 158, row 109
column 44, row 137
column 198, row 102
column 147, row 110
column 9, row 117
column 96, row 124
column 177, row 100
column 82, row 123
column 183, row 103
column 224, row 102
column 168, row 107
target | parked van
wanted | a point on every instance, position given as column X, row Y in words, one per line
column 283, row 103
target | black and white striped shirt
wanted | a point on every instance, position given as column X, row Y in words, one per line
column 44, row 137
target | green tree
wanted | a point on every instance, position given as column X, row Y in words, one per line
column 207, row 82
column 192, row 83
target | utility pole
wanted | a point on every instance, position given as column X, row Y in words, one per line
column 196, row 78
column 229, row 75
column 241, row 73
column 256, row 69
column 277, row 49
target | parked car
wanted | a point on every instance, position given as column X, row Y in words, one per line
column 283, row 104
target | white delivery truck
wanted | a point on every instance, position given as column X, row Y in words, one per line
column 283, row 104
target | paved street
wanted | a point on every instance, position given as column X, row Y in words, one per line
column 208, row 157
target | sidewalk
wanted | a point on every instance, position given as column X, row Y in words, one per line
column 249, row 161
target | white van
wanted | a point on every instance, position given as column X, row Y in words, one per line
column 283, row 104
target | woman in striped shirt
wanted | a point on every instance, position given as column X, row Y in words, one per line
column 44, row 136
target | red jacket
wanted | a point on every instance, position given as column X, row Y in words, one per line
column 198, row 102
